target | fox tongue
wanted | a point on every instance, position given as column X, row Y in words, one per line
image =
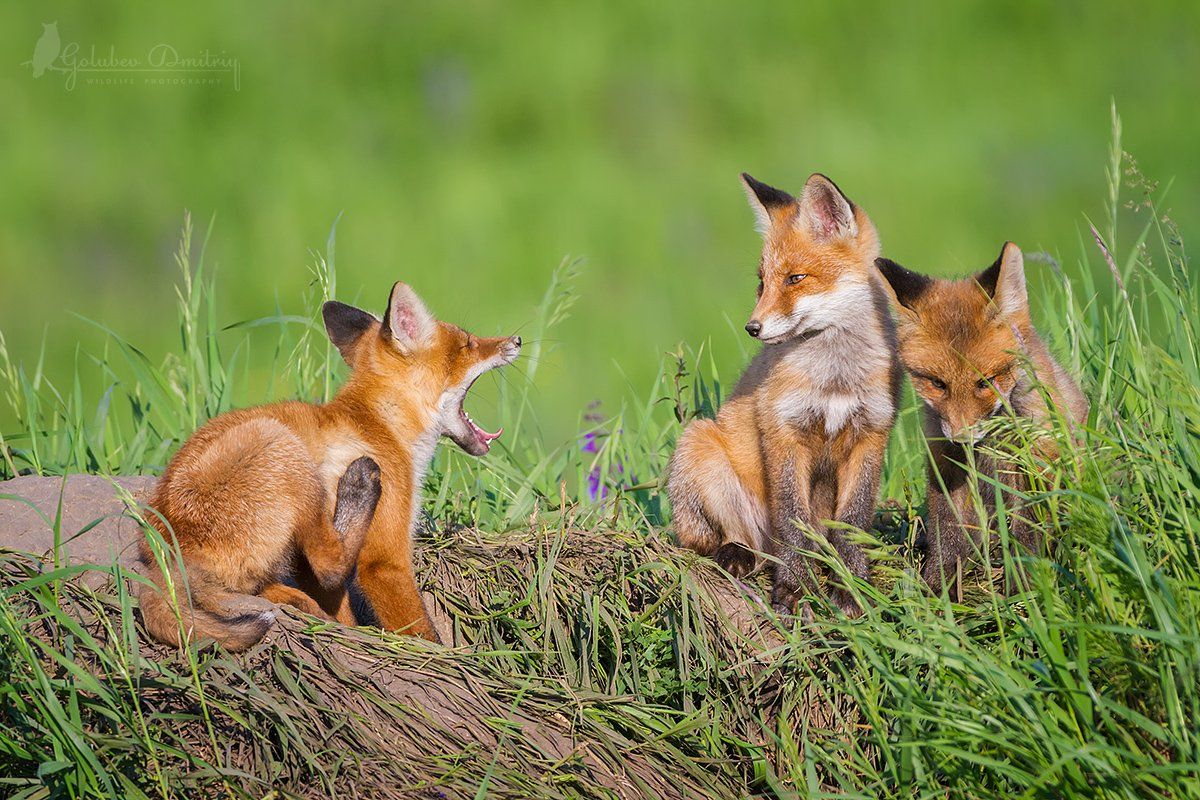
column 480, row 432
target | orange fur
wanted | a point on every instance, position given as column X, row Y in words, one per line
column 802, row 436
column 250, row 499
column 973, row 353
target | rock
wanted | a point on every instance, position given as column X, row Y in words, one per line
column 29, row 506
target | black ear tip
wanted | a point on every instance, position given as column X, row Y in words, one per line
column 769, row 196
column 908, row 285
column 333, row 310
column 889, row 268
column 1018, row 254
column 828, row 182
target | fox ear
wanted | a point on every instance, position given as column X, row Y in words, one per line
column 770, row 205
column 907, row 286
column 1004, row 281
column 407, row 321
column 826, row 212
column 345, row 325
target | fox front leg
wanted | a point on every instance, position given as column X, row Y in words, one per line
column 791, row 488
column 385, row 567
column 1030, row 538
column 946, row 540
column 857, row 493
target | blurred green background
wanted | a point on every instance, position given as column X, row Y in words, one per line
column 470, row 146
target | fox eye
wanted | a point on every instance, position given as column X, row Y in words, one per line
column 937, row 384
column 792, row 280
column 984, row 383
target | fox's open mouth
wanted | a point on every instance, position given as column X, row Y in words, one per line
column 477, row 441
column 458, row 425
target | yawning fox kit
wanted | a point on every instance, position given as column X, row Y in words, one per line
column 290, row 502
column 308, row 493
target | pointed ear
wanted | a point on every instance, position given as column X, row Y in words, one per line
column 770, row 205
column 407, row 321
column 1004, row 281
column 826, row 212
column 907, row 286
column 345, row 325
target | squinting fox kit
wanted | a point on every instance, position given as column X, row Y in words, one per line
column 293, row 503
column 973, row 354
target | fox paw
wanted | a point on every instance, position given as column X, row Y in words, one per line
column 941, row 577
column 358, row 494
column 735, row 559
column 845, row 600
column 784, row 599
column 804, row 612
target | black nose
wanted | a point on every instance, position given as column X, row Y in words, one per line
column 754, row 327
column 516, row 340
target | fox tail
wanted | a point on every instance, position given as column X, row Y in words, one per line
column 207, row 611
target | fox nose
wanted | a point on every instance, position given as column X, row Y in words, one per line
column 516, row 340
column 754, row 328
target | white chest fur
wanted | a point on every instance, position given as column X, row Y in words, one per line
column 841, row 377
column 422, row 456
column 340, row 455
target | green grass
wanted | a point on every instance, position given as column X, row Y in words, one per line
column 577, row 615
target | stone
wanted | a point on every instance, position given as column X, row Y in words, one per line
column 29, row 506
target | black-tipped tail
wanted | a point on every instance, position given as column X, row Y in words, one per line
column 235, row 621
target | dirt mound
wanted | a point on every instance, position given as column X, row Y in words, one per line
column 583, row 662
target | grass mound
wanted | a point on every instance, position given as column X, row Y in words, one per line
column 315, row 710
column 535, row 708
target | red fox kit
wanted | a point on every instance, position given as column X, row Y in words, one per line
column 973, row 353
column 803, row 434
column 338, row 484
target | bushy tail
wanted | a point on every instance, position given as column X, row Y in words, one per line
column 206, row 609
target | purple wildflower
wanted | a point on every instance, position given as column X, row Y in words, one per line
column 595, row 490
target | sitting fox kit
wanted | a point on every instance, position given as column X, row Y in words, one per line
column 312, row 492
column 973, row 353
column 801, row 439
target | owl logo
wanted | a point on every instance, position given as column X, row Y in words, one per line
column 45, row 52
